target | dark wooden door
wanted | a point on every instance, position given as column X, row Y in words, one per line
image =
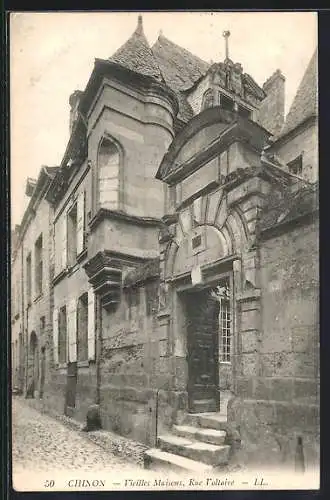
column 71, row 388
column 203, row 352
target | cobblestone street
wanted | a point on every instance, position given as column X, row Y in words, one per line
column 43, row 443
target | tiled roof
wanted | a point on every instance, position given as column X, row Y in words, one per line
column 136, row 54
column 181, row 69
column 293, row 205
column 305, row 103
column 150, row 269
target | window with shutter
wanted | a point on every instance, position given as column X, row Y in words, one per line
column 91, row 324
column 55, row 335
column 28, row 278
column 82, row 328
column 81, row 222
column 58, row 247
column 72, row 330
column 64, row 242
column 72, row 236
column 62, row 336
column 38, row 266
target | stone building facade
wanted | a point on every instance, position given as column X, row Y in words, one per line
column 182, row 236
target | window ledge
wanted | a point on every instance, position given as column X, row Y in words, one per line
column 72, row 269
column 82, row 255
column 225, row 362
column 61, row 366
column 60, row 276
column 37, row 298
column 83, row 364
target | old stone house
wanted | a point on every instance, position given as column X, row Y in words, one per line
column 185, row 250
column 31, row 296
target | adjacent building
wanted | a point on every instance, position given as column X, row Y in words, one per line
column 168, row 267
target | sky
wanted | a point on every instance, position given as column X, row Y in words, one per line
column 52, row 54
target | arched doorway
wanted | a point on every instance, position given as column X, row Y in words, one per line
column 33, row 365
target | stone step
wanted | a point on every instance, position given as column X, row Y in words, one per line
column 210, row 454
column 211, row 436
column 214, row 420
column 156, row 459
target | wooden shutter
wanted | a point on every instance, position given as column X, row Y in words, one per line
column 55, row 336
column 64, row 236
column 80, row 222
column 72, row 330
column 58, row 247
column 91, row 324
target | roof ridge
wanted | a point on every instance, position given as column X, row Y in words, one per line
column 161, row 36
column 304, row 104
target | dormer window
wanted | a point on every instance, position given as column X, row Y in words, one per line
column 245, row 112
column 231, row 105
column 227, row 103
column 208, row 99
column 295, row 166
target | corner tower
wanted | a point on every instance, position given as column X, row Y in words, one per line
column 129, row 113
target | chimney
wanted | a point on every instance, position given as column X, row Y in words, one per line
column 29, row 187
column 74, row 101
column 271, row 111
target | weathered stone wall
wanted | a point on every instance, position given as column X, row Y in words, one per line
column 306, row 144
column 40, row 304
column 135, row 364
column 278, row 386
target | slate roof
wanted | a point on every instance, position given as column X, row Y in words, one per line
column 180, row 67
column 305, row 103
column 137, row 56
column 150, row 269
column 181, row 70
column 292, row 206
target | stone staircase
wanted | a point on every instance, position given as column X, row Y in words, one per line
column 197, row 445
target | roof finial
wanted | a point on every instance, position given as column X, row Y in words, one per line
column 139, row 28
column 226, row 35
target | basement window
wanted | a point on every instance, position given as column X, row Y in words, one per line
column 295, row 166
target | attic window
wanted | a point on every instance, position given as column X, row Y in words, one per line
column 295, row 166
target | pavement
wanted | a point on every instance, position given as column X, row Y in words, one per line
column 42, row 443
